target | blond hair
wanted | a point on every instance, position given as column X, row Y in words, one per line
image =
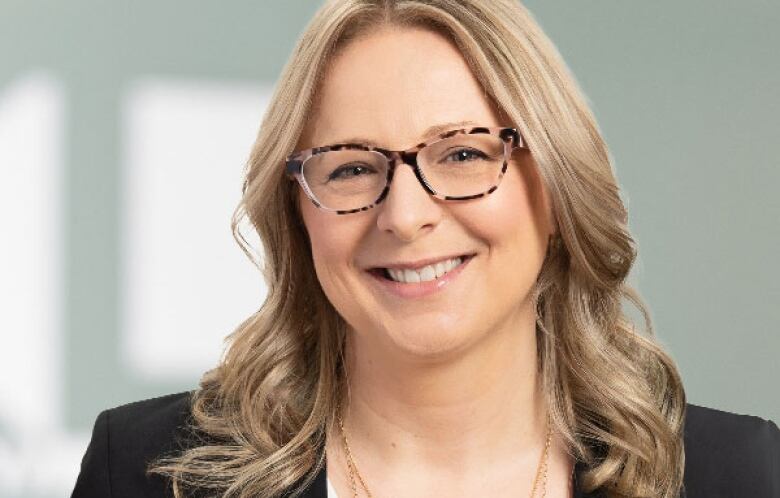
column 614, row 395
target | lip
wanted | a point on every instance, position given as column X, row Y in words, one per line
column 420, row 263
column 419, row 289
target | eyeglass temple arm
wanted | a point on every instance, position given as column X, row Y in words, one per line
column 293, row 166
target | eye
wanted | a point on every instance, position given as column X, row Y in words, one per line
column 463, row 155
column 349, row 171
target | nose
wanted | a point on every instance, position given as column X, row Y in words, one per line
column 407, row 211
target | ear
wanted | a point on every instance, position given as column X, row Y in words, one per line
column 552, row 223
column 548, row 208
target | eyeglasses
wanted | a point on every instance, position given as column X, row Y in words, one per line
column 456, row 165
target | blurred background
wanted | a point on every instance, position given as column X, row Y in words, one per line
column 124, row 128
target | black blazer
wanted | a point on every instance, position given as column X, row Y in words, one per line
column 726, row 455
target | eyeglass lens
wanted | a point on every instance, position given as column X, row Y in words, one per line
column 457, row 166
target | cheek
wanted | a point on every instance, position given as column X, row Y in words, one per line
column 328, row 243
column 510, row 223
column 334, row 244
column 508, row 215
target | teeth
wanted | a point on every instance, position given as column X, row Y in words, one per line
column 424, row 274
column 427, row 274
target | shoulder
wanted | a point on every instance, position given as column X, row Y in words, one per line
column 730, row 454
column 125, row 439
column 144, row 425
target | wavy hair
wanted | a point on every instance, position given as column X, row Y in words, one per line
column 614, row 394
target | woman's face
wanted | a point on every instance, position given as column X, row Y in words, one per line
column 389, row 87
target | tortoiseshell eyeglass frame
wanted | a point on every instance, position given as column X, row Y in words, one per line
column 510, row 136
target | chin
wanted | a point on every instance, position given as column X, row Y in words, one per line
column 431, row 341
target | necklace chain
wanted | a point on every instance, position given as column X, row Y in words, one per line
column 353, row 470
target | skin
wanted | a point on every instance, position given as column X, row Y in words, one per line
column 445, row 400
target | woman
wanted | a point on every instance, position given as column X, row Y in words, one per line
column 446, row 254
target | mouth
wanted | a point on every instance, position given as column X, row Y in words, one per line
column 428, row 273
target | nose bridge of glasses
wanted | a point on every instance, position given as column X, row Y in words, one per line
column 409, row 158
column 405, row 157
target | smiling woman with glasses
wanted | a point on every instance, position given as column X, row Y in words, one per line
column 446, row 254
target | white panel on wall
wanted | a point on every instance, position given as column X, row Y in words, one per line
column 186, row 284
column 31, row 158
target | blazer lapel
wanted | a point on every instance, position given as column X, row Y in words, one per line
column 319, row 488
column 579, row 468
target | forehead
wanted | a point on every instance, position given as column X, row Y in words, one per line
column 391, row 85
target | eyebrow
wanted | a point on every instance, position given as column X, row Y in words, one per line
column 428, row 133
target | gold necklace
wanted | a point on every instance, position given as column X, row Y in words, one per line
column 353, row 470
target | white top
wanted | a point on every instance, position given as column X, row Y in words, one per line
column 331, row 489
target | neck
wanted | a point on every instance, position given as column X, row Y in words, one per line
column 477, row 407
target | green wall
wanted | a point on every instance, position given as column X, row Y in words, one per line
column 685, row 93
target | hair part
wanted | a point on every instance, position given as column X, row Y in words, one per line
column 259, row 419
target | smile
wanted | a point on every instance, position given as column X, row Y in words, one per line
column 424, row 274
column 420, row 281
